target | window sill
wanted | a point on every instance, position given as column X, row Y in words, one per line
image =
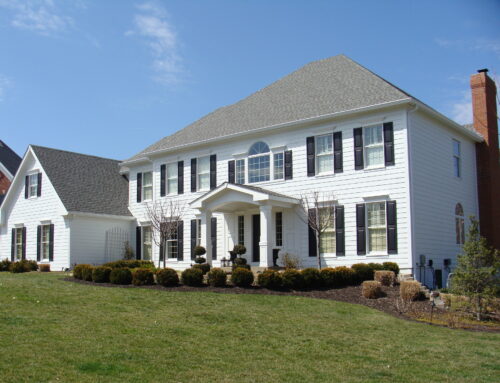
column 325, row 174
column 377, row 255
column 377, row 167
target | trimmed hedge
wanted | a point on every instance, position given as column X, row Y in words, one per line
column 242, row 277
column 371, row 289
column 5, row 265
column 100, row 274
column 87, row 273
column 44, row 267
column 143, row 277
column 130, row 264
column 217, row 277
column 338, row 277
column 192, row 277
column 312, row 278
column 391, row 266
column 270, row 279
column 385, row 277
column 204, row 267
column 167, row 277
column 410, row 290
column 292, row 279
column 78, row 270
column 363, row 272
column 120, row 276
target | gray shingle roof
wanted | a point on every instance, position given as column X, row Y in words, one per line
column 85, row 183
column 322, row 87
column 9, row 158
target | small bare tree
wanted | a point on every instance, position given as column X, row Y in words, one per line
column 318, row 212
column 164, row 215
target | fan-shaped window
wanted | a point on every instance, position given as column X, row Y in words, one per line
column 459, row 224
column 259, row 163
column 258, row 148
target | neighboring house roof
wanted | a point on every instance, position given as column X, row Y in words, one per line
column 84, row 183
column 323, row 87
column 2, row 196
column 9, row 158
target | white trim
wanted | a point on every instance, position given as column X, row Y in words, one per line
column 5, row 171
column 70, row 214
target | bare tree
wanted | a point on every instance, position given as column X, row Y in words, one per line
column 318, row 212
column 164, row 215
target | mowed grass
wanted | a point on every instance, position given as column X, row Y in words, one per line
column 56, row 331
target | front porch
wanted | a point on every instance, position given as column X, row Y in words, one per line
column 241, row 214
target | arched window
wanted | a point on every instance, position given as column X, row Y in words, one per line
column 459, row 224
column 259, row 162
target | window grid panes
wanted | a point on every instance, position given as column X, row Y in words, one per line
column 204, row 173
column 374, row 145
column 44, row 244
column 327, row 243
column 240, row 172
column 147, row 186
column 324, row 153
column 258, row 169
column 456, row 158
column 376, row 225
column 279, row 229
column 172, row 174
column 147, row 237
column 33, row 185
column 19, row 243
column 241, row 230
column 278, row 166
column 172, row 245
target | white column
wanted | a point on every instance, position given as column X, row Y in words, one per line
column 206, row 217
column 266, row 251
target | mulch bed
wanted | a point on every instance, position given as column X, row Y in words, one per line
column 350, row 294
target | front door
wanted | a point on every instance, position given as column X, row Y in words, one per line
column 255, row 238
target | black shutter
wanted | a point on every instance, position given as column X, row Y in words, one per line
column 231, row 178
column 311, row 171
column 213, row 171
column 288, row 165
column 51, row 242
column 139, row 187
column 180, row 177
column 337, row 152
column 360, row 228
column 388, row 144
column 194, row 229
column 39, row 187
column 26, row 186
column 138, row 242
column 163, row 176
column 180, row 240
column 213, row 236
column 312, row 234
column 392, row 235
column 193, row 175
column 339, row 230
column 13, row 246
column 358, row 148
column 24, row 243
column 162, row 242
column 38, row 242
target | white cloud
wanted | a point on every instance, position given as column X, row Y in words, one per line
column 4, row 84
column 152, row 25
column 480, row 44
column 461, row 111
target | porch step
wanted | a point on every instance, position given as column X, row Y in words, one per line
column 406, row 277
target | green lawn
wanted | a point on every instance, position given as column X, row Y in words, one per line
column 56, row 331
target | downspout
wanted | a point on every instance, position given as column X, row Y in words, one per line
column 411, row 220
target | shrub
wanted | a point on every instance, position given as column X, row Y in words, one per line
column 363, row 272
column 100, row 274
column 5, row 265
column 143, row 277
column 239, row 249
column 78, row 270
column 243, row 266
column 292, row 279
column 410, row 290
column 19, row 267
column 30, row 265
column 44, row 267
column 242, row 277
column 192, row 277
column 371, row 289
column 312, row 278
column 375, row 266
column 337, row 277
column 130, row 264
column 290, row 261
column 270, row 279
column 217, row 277
column 167, row 277
column 391, row 266
column 199, row 251
column 385, row 277
column 240, row 261
column 120, row 276
column 87, row 273
column 204, row 267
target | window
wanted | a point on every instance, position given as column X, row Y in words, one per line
column 376, row 227
column 258, row 163
column 374, row 145
column 241, row 230
column 147, row 237
column 240, row 172
column 279, row 163
column 279, row 229
column 327, row 243
column 19, row 244
column 324, row 154
column 456, row 159
column 44, row 243
column 172, row 243
column 198, row 232
column 33, row 185
column 459, row 224
column 204, row 173
column 147, row 186
column 172, row 174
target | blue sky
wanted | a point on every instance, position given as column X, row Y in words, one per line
column 111, row 77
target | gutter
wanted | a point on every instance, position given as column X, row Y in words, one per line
column 103, row 216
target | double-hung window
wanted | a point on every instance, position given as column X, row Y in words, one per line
column 18, row 243
column 33, row 185
column 204, row 173
column 241, row 230
column 279, row 163
column 240, row 171
column 172, row 178
column 45, row 242
column 457, row 171
column 374, row 145
column 324, row 154
column 376, row 227
column 172, row 249
column 147, row 186
column 326, row 219
column 147, row 243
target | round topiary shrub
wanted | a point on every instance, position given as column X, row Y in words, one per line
column 242, row 277
column 204, row 267
column 44, row 268
column 167, row 277
column 312, row 278
column 199, row 251
column 292, row 279
column 100, row 274
column 391, row 266
column 363, row 272
column 120, row 276
column 270, row 279
column 192, row 277
column 239, row 261
column 5, row 265
column 78, row 270
column 143, row 277
column 239, row 249
column 217, row 277
column 371, row 289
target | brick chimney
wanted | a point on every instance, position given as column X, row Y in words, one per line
column 484, row 108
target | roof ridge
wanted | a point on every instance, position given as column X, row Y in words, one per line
column 76, row 153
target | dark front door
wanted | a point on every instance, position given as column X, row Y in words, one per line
column 255, row 238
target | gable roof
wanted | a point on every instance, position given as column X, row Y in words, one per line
column 84, row 183
column 323, row 87
column 9, row 158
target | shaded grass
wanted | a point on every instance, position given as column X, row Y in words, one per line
column 51, row 330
